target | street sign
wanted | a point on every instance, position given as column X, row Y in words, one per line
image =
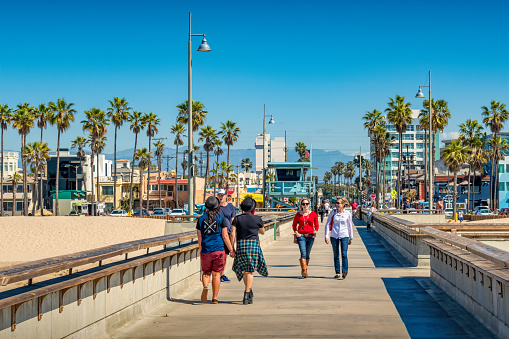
column 373, row 195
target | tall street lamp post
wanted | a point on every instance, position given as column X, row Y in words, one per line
column 271, row 122
column 421, row 95
column 204, row 47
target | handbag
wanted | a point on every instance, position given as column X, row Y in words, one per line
column 294, row 239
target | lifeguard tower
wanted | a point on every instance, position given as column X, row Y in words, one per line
column 289, row 180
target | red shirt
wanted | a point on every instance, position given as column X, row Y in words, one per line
column 306, row 224
column 354, row 205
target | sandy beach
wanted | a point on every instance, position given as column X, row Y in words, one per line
column 31, row 238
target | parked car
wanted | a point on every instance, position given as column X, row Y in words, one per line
column 484, row 211
column 159, row 212
column 504, row 211
column 144, row 213
column 178, row 211
column 118, row 213
column 74, row 213
column 477, row 208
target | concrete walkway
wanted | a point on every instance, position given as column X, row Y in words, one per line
column 381, row 297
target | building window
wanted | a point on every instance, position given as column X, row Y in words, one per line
column 408, row 137
column 420, row 162
column 501, row 169
column 419, row 136
column 8, row 206
column 420, row 154
column 507, row 168
column 419, row 146
column 501, row 186
column 410, row 146
column 107, row 190
column 395, row 154
column 391, row 128
column 19, row 205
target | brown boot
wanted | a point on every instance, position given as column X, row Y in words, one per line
column 304, row 268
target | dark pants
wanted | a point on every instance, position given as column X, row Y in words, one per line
column 321, row 216
column 305, row 245
column 336, row 244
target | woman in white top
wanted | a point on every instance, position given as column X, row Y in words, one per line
column 339, row 228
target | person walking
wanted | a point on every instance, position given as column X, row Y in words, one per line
column 305, row 225
column 249, row 255
column 339, row 228
column 354, row 208
column 212, row 239
column 228, row 211
column 321, row 210
column 327, row 207
column 460, row 216
column 406, row 206
column 369, row 217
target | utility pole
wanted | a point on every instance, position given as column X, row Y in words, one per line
column 238, row 186
column 286, row 149
column 360, row 175
column 201, row 164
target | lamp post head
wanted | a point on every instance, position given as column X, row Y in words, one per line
column 204, row 47
column 419, row 93
column 271, row 121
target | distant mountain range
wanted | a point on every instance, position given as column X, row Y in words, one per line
column 322, row 160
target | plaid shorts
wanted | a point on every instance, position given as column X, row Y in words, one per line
column 249, row 258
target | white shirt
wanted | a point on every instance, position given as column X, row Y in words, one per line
column 327, row 206
column 342, row 226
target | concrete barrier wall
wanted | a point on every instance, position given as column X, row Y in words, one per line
column 405, row 240
column 100, row 316
column 417, row 218
column 479, row 285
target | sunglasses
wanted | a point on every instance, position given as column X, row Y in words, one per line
column 305, row 203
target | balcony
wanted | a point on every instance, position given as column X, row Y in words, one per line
column 290, row 188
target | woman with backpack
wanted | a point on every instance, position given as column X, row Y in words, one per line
column 212, row 231
column 305, row 225
column 339, row 228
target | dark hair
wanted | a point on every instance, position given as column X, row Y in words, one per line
column 212, row 213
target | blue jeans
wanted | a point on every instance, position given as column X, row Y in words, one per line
column 305, row 245
column 336, row 243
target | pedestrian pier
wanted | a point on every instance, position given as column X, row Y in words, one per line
column 157, row 293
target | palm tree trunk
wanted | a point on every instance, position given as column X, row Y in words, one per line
column 473, row 192
column 14, row 189
column 92, row 211
column 377, row 179
column 495, row 188
column 159, row 179
column 115, row 171
column 58, row 175
column 384, row 181
column 34, row 194
column 468, row 192
column 25, row 177
column 132, row 175
column 2, row 179
column 206, row 176
column 41, row 207
column 97, row 175
column 455, row 194
column 176, row 168
column 148, row 175
column 141, row 190
column 228, row 163
column 491, row 182
column 398, row 200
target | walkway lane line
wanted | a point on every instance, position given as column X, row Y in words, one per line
column 379, row 298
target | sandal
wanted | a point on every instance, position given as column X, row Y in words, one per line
column 215, row 301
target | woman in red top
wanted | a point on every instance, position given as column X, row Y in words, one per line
column 305, row 226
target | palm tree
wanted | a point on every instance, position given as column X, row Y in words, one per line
column 217, row 152
column 61, row 115
column 96, row 124
column 37, row 154
column 246, row 164
column 98, row 144
column 80, row 143
column 471, row 135
column 5, row 121
column 400, row 114
column 43, row 113
column 159, row 154
column 118, row 114
column 178, row 129
column 184, row 165
column 137, row 124
column 335, row 171
column 230, row 133
column 454, row 156
column 23, row 120
column 151, row 122
column 207, row 134
column 499, row 148
column 327, row 177
column 424, row 123
column 494, row 118
column 15, row 179
column 223, row 175
column 301, row 149
column 372, row 120
column 477, row 159
column 143, row 155
column 199, row 114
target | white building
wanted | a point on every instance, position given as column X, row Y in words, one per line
column 10, row 163
column 413, row 146
column 123, row 163
column 274, row 151
column 105, row 168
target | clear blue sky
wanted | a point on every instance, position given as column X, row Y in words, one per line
column 317, row 65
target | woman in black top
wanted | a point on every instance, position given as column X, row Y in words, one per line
column 249, row 256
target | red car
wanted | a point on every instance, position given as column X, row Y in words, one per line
column 504, row 211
